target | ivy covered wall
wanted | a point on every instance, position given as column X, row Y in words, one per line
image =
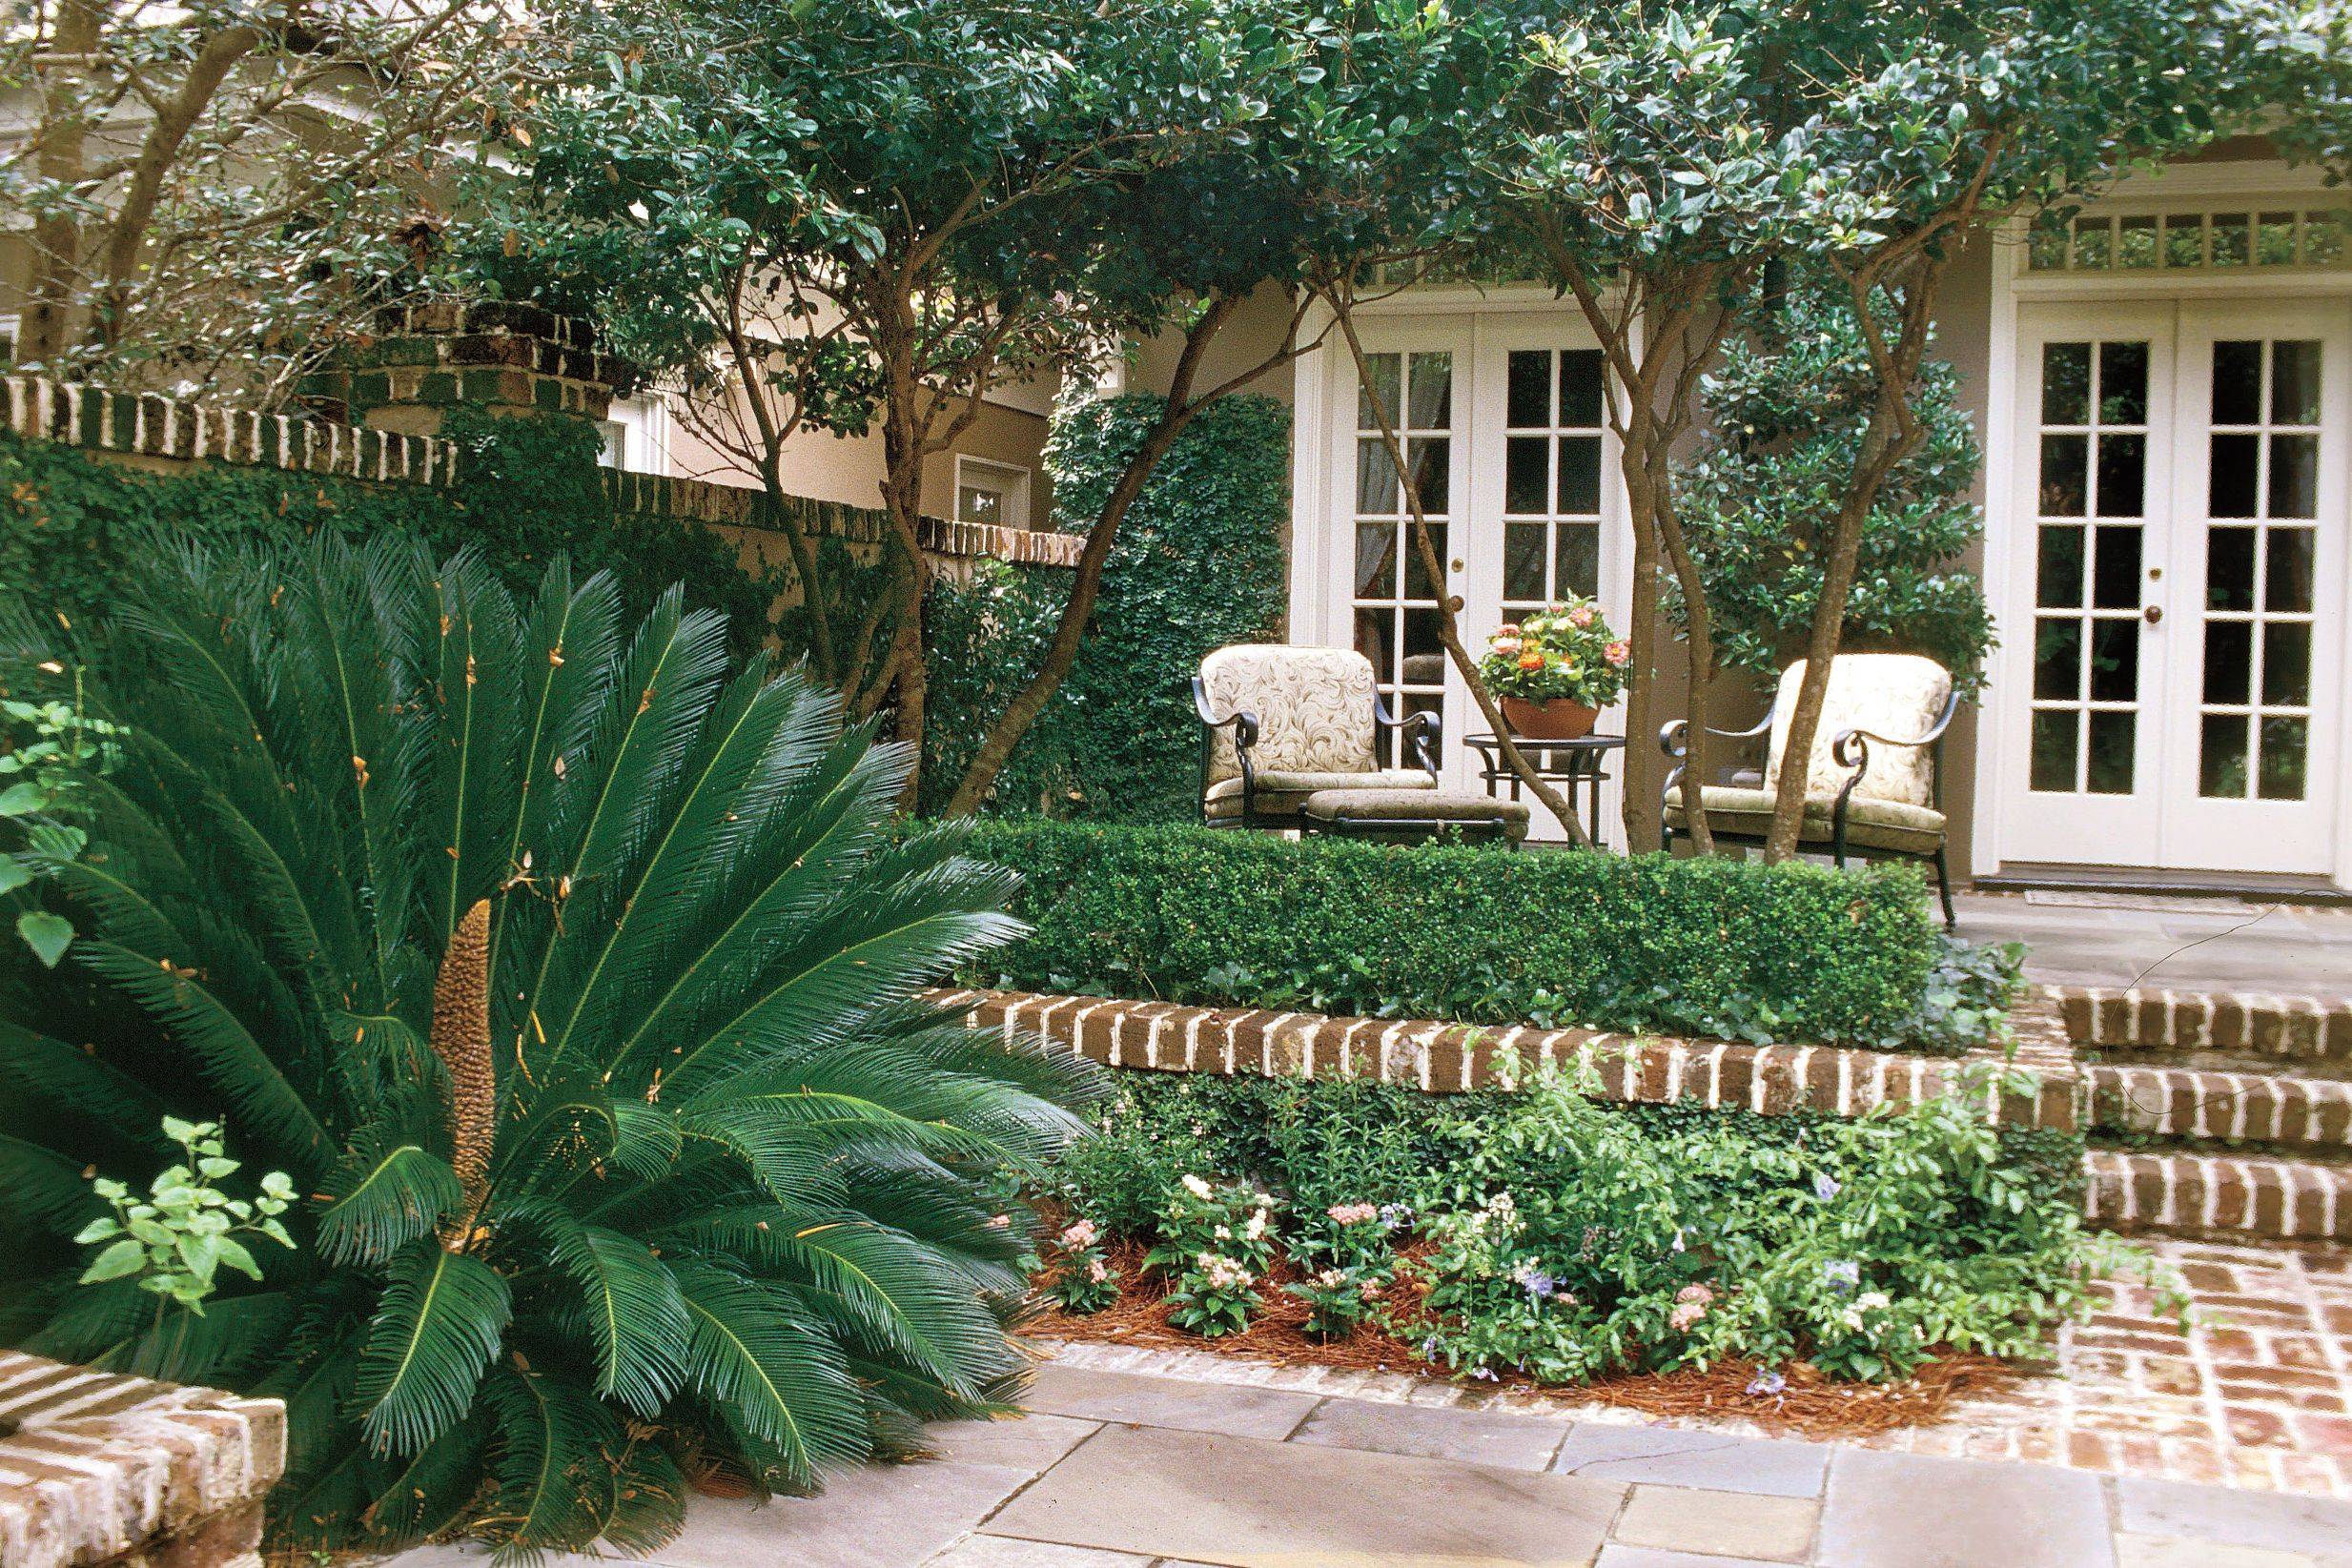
column 72, row 523
column 1199, row 563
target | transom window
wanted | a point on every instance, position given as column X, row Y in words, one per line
column 2215, row 241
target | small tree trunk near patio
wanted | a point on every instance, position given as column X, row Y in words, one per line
column 1176, row 414
column 1340, row 294
column 1912, row 269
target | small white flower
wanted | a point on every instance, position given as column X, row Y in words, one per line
column 1197, row 1187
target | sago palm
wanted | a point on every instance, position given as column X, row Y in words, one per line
column 572, row 980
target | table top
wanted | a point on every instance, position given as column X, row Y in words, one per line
column 1485, row 739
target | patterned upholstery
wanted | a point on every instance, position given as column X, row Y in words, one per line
column 1870, row 823
column 1280, row 793
column 1370, row 807
column 1314, row 709
column 1898, row 695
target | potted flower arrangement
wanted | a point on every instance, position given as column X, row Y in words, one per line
column 1556, row 670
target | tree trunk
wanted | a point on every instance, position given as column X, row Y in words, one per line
column 50, row 317
column 1175, row 415
column 1891, row 435
column 1449, row 629
column 166, row 134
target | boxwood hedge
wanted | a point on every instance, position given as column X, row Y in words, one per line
column 1717, row 947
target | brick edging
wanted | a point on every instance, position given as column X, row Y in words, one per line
column 95, row 1468
column 2278, row 1107
column 1441, row 1057
column 2159, row 1018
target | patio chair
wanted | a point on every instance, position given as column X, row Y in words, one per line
column 1290, row 738
column 1870, row 792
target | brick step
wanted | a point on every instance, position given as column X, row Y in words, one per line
column 2289, row 1110
column 2155, row 1018
column 2139, row 1191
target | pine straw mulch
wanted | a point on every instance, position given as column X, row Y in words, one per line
column 1810, row 1406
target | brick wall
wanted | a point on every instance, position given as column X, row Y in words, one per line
column 99, row 1469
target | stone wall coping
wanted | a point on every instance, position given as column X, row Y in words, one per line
column 1443, row 1057
column 95, row 1466
column 2161, row 1018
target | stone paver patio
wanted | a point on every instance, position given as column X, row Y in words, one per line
column 1135, row 1459
column 2115, row 938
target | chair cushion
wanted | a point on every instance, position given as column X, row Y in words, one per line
column 1381, row 805
column 1280, row 793
column 1314, row 709
column 1898, row 695
column 1870, row 823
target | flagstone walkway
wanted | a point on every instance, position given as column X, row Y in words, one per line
column 1139, row 1458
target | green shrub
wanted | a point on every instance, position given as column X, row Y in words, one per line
column 1199, row 565
column 570, row 981
column 72, row 526
column 1716, row 948
column 1572, row 1239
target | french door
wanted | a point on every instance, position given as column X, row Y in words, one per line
column 1502, row 421
column 2179, row 597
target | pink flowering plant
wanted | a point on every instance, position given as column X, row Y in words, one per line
column 1349, row 1235
column 1084, row 1281
column 1566, row 651
column 1217, row 1243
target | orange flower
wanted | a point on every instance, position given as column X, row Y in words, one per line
column 1530, row 661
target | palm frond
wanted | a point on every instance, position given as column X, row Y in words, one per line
column 441, row 1321
column 382, row 1196
column 636, row 1321
column 769, row 1372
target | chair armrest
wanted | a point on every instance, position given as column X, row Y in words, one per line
column 1671, row 735
column 1421, row 732
column 1852, row 748
column 1243, row 723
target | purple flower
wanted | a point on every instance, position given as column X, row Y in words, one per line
column 1825, row 1186
column 1768, row 1383
column 1539, row 1284
column 1842, row 1275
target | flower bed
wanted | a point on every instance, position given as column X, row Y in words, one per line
column 1540, row 1237
column 1720, row 948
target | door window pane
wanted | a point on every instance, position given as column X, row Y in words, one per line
column 2055, row 745
column 2229, row 569
column 2065, row 467
column 1430, row 392
column 1526, row 474
column 2295, row 383
column 1377, row 391
column 1579, row 567
column 1529, row 394
column 2057, row 659
column 2123, row 383
column 2117, row 586
column 1375, row 560
column 2057, row 578
column 2221, row 756
column 2236, row 461
column 1579, row 387
column 2115, row 661
column 2108, row 768
column 2229, row 662
column 2294, row 476
column 2237, row 383
column 2286, row 664
column 1523, row 560
column 1433, row 471
column 2122, row 476
column 2288, row 569
column 2066, row 383
column 2229, row 240
column 1580, row 474
column 2286, row 742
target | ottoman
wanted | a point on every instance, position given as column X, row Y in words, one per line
column 1411, row 814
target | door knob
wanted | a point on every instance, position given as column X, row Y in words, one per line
column 2154, row 613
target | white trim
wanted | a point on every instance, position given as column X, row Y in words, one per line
column 2240, row 180
column 644, row 424
column 1012, row 483
column 1310, row 490
column 2010, row 662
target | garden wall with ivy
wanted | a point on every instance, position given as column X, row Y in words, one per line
column 74, row 522
column 1200, row 564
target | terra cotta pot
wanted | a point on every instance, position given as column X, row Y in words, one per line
column 1555, row 718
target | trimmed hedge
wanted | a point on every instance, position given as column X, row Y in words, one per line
column 1715, row 948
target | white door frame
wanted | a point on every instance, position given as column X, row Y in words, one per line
column 1481, row 325
column 2009, row 532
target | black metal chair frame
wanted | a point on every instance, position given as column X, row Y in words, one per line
column 1850, row 749
column 1420, row 731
